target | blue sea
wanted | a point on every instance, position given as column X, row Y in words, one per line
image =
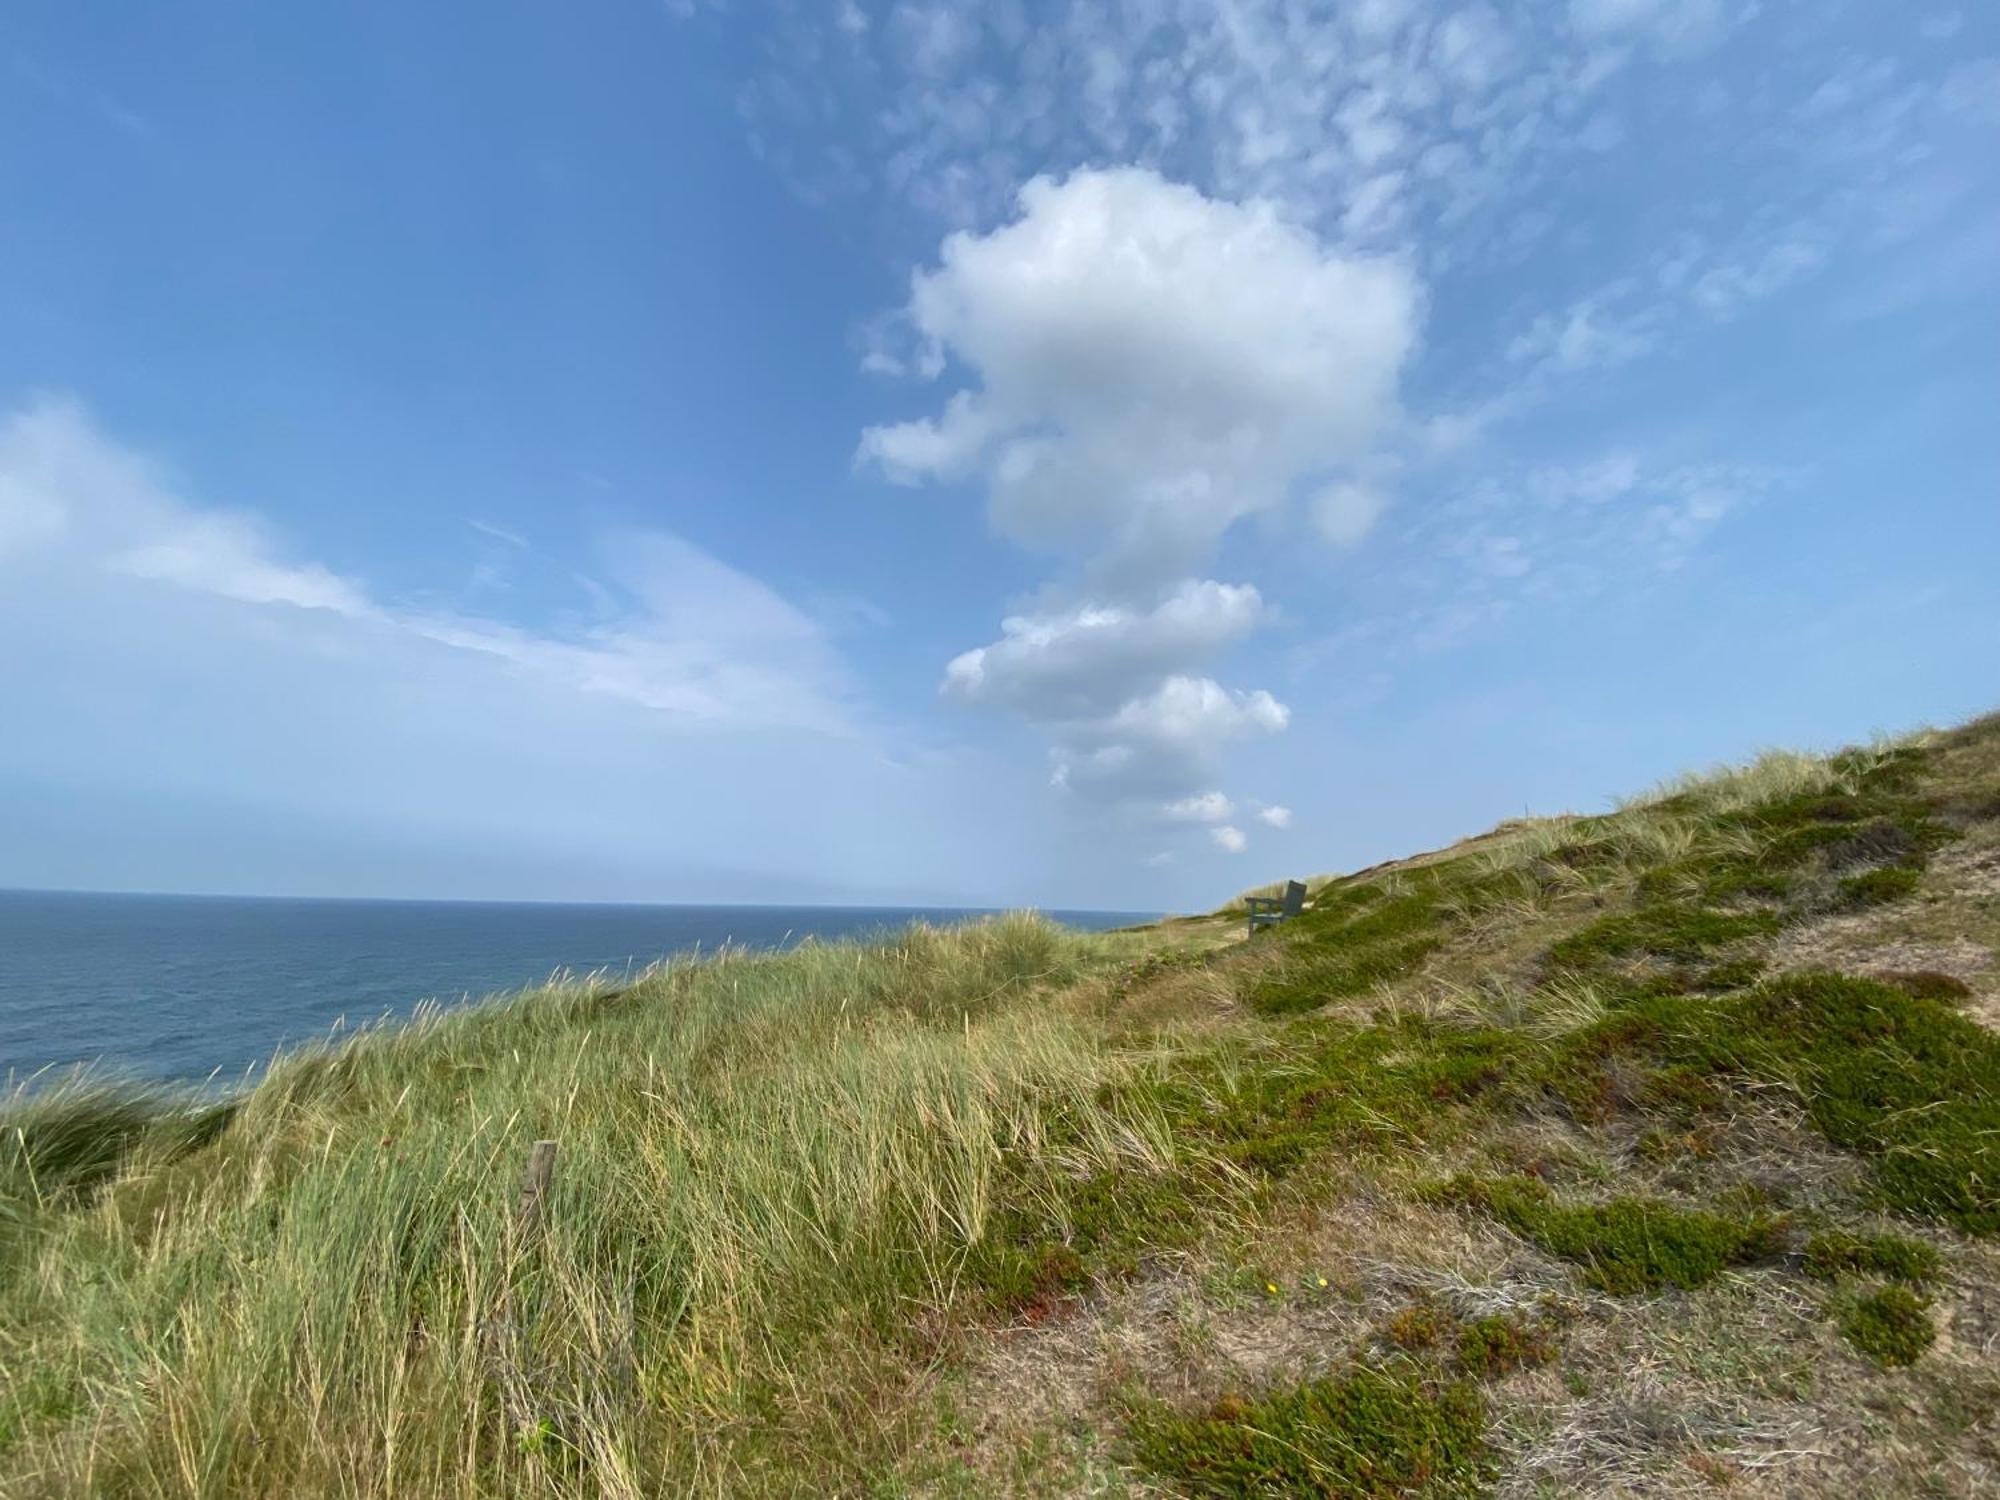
column 195, row 987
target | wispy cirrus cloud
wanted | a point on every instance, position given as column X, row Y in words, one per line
column 674, row 630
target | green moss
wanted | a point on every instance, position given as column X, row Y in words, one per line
column 1627, row 1245
column 1879, row 887
column 1892, row 1325
column 1840, row 1252
column 1369, row 1432
column 1497, row 1345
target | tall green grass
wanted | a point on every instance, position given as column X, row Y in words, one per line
column 769, row 1170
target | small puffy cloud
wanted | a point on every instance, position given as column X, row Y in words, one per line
column 1472, row 47
column 1199, row 711
column 1590, row 335
column 1109, row 684
column 1346, row 513
column 1089, row 658
column 1149, row 365
column 1275, row 816
column 1163, row 745
column 1723, row 290
column 1203, row 807
column 932, row 38
column 1229, row 840
column 1589, row 483
column 1675, row 25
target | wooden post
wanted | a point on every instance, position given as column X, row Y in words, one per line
column 534, row 1189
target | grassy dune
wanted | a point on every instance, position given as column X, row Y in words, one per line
column 769, row 1169
column 1642, row 1153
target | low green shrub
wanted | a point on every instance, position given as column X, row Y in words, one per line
column 1624, row 1246
column 1879, row 887
column 1498, row 1345
column 1908, row 1082
column 1929, row 984
column 1374, row 1432
column 1679, row 932
column 1892, row 1326
column 1842, row 1252
column 1905, row 1081
column 1419, row 1327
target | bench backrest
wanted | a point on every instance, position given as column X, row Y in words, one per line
column 1295, row 897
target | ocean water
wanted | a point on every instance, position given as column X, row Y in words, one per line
column 189, row 987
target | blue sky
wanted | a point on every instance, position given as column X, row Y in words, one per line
column 1082, row 455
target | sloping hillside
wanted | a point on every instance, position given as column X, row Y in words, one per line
column 1651, row 1153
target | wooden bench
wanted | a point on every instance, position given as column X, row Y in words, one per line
column 1266, row 911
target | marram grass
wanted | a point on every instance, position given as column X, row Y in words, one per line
column 793, row 1193
column 769, row 1168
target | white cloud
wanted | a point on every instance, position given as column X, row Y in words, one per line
column 1606, row 328
column 1151, row 366
column 1677, row 25
column 686, row 635
column 1723, row 290
column 1318, row 107
column 1088, row 659
column 1146, row 366
column 1591, row 482
column 1199, row 711
column 933, row 38
column 1345, row 513
column 498, row 533
column 1203, row 807
column 1276, row 817
column 1229, row 840
column 1164, row 744
column 1473, row 46
column 673, row 730
column 229, row 555
column 1684, row 285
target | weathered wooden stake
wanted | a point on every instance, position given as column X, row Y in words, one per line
column 534, row 1189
